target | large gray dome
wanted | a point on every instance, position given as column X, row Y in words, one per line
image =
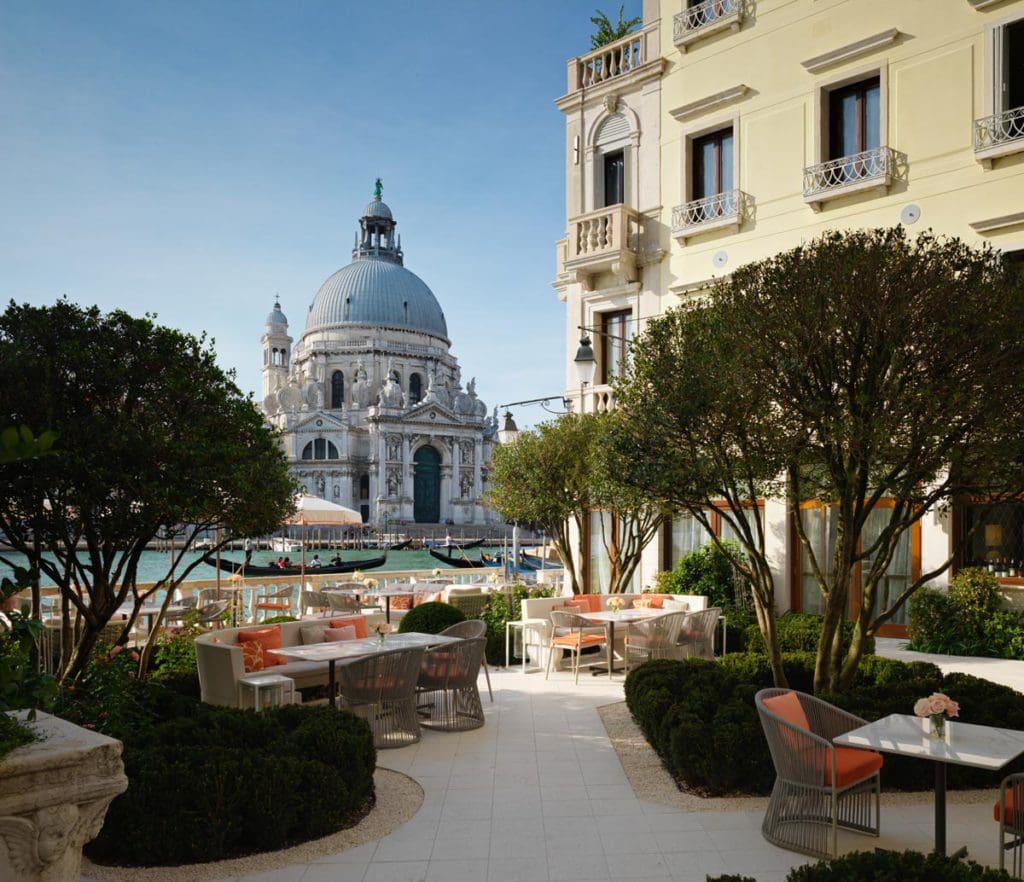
column 376, row 291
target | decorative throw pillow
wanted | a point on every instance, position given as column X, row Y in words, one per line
column 358, row 621
column 676, row 606
column 644, row 601
column 252, row 656
column 312, row 634
column 268, row 638
column 336, row 635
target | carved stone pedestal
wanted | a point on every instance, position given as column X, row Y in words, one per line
column 54, row 795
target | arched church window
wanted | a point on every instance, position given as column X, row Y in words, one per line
column 337, row 390
column 415, row 388
column 320, row 449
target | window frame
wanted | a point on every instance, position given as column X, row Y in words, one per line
column 608, row 337
column 694, row 134
column 859, row 90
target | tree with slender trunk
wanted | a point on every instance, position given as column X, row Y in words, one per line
column 153, row 440
column 878, row 375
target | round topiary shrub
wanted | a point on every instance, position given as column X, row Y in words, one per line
column 220, row 783
column 700, row 716
column 430, row 618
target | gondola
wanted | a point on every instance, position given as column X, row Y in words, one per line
column 536, row 562
column 461, row 563
column 491, row 560
column 460, row 546
column 398, row 546
column 346, row 566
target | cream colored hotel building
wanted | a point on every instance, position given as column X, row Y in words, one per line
column 724, row 131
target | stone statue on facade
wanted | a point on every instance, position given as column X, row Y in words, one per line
column 361, row 391
column 466, row 485
column 391, row 394
column 394, row 447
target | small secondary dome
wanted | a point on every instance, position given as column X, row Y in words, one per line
column 276, row 317
column 376, row 288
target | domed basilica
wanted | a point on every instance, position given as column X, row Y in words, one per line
column 370, row 401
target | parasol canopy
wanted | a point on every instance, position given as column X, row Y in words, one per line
column 314, row 511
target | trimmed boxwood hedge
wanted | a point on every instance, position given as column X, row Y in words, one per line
column 700, row 716
column 800, row 632
column 431, row 618
column 220, row 783
column 888, row 866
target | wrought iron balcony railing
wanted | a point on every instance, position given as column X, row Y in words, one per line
column 999, row 129
column 701, row 15
column 870, row 167
column 712, row 212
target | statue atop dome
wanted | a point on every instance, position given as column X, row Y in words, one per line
column 378, row 189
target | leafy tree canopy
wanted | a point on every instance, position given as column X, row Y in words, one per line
column 608, row 32
column 151, row 438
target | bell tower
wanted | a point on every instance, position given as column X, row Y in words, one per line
column 277, row 350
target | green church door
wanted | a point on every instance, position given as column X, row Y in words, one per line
column 426, row 486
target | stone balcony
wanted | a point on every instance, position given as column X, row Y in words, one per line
column 999, row 135
column 872, row 169
column 603, row 241
column 703, row 19
column 721, row 211
column 623, row 64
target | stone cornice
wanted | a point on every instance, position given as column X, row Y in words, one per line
column 994, row 224
column 851, row 50
column 710, row 102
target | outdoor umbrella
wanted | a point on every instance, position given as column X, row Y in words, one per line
column 312, row 510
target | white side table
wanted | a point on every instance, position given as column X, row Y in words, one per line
column 525, row 626
column 274, row 684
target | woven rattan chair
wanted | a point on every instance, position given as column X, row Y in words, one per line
column 313, row 600
column 470, row 630
column 342, row 602
column 472, row 605
column 448, row 697
column 655, row 638
column 381, row 688
column 575, row 633
column 818, row 787
column 1009, row 815
column 697, row 634
column 275, row 602
column 213, row 613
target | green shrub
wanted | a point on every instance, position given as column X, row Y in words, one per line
column 966, row 620
column 502, row 607
column 700, row 717
column 209, row 783
column 431, row 618
column 273, row 620
column 884, row 866
column 800, row 632
column 13, row 734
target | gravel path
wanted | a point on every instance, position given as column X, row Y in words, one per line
column 399, row 797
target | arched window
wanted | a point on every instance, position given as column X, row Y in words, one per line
column 337, row 390
column 415, row 388
column 320, row 449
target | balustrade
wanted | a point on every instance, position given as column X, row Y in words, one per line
column 870, row 167
column 608, row 62
column 710, row 212
column 702, row 17
column 999, row 129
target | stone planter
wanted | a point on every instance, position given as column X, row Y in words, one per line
column 54, row 795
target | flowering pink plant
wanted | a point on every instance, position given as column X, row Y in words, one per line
column 936, row 703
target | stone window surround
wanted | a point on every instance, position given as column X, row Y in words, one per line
column 823, row 89
column 989, row 94
column 593, row 171
column 708, row 127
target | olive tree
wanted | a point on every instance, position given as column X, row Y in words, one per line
column 153, row 441
column 877, row 374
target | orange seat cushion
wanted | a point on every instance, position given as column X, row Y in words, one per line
column 789, row 708
column 1013, row 816
column 268, row 638
column 358, row 621
column 853, row 765
column 574, row 639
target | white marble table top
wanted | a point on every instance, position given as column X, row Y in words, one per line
column 356, row 648
column 625, row 615
column 965, row 744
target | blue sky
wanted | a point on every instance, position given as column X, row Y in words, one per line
column 192, row 159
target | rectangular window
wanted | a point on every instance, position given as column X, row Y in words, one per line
column 998, row 541
column 1010, row 66
column 713, row 164
column 854, row 120
column 614, row 178
column 600, row 569
column 616, row 332
column 687, row 535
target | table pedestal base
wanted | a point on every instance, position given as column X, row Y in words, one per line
column 940, row 808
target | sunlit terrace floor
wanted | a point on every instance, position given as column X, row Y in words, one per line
column 540, row 794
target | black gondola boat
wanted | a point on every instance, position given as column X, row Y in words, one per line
column 462, row 563
column 346, row 566
column 398, row 546
column 459, row 546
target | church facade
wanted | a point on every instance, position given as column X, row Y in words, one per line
column 370, row 401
